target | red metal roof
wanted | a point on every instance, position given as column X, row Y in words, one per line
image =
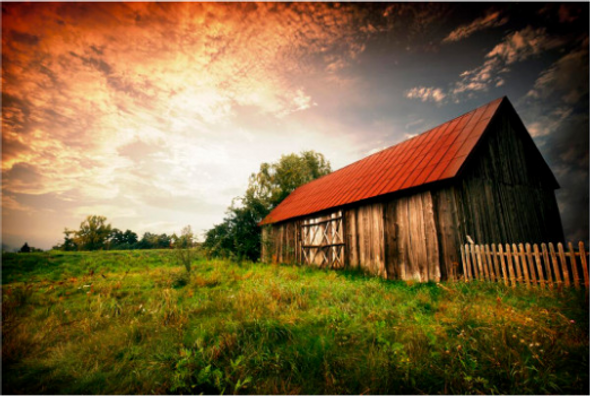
column 434, row 155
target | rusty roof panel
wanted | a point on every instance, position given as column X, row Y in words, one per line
column 437, row 154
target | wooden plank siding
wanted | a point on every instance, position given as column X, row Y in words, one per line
column 365, row 238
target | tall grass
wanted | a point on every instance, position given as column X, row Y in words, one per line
column 117, row 322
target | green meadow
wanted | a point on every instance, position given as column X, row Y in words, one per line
column 132, row 322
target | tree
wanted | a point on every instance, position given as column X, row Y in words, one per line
column 239, row 235
column 183, row 248
column 120, row 240
column 25, row 248
column 93, row 233
column 148, row 241
column 130, row 237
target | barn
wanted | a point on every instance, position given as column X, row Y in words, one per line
column 404, row 212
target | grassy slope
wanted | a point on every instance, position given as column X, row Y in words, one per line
column 255, row 328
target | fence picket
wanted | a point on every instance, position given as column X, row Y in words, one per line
column 496, row 263
column 469, row 254
column 531, row 264
column 584, row 263
column 539, row 267
column 519, row 277
column 511, row 266
column 503, row 263
column 547, row 265
column 495, row 274
column 529, row 259
column 474, row 262
column 483, row 276
column 566, row 277
column 525, row 270
column 555, row 263
column 464, row 262
column 572, row 254
column 486, row 270
column 485, row 251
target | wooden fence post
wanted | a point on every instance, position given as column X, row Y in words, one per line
column 547, row 262
column 572, row 254
column 519, row 277
column 495, row 273
column 474, row 262
column 555, row 263
column 584, row 263
column 510, row 266
column 524, row 265
column 503, row 263
column 483, row 274
column 539, row 267
column 529, row 259
column 495, row 259
column 563, row 261
column 465, row 275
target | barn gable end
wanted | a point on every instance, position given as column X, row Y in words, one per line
column 404, row 212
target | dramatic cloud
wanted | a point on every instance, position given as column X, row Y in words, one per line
column 556, row 114
column 426, row 94
column 523, row 44
column 140, row 100
column 490, row 20
column 568, row 76
column 515, row 47
column 155, row 114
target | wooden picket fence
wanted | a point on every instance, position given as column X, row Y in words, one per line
column 526, row 264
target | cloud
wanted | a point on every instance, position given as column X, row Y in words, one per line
column 426, row 94
column 143, row 103
column 515, row 47
column 550, row 122
column 490, row 20
column 523, row 44
column 556, row 114
column 568, row 76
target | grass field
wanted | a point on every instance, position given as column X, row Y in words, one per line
column 137, row 325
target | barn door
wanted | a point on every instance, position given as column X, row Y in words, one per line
column 322, row 241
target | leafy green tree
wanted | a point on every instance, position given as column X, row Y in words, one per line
column 130, row 237
column 148, row 241
column 93, row 234
column 274, row 182
column 163, row 241
column 68, row 244
column 239, row 235
column 120, row 240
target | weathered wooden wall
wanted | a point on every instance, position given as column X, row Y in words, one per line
column 284, row 242
column 364, row 238
column 411, row 243
column 505, row 195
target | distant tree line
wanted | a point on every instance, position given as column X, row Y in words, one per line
column 239, row 236
column 95, row 234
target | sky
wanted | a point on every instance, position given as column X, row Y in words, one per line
column 155, row 114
